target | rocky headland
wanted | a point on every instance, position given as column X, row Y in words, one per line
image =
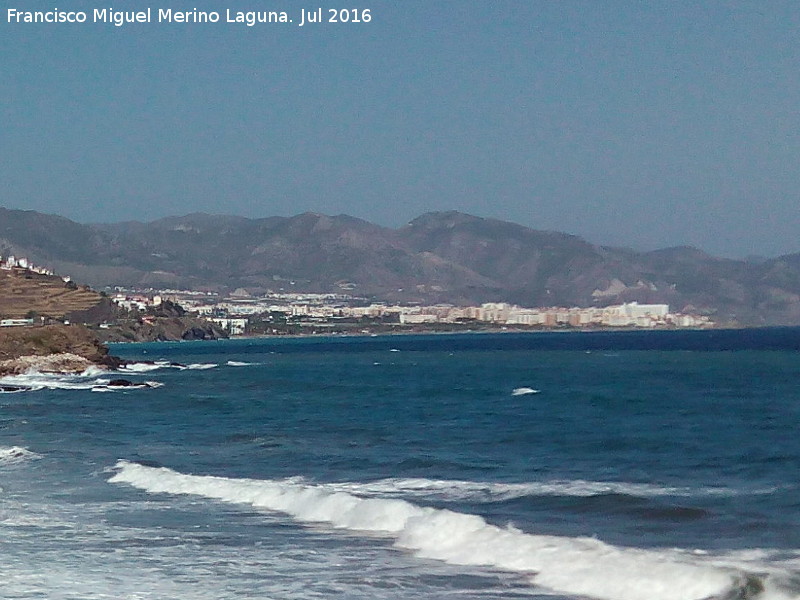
column 52, row 348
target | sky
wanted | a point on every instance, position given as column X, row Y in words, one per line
column 639, row 124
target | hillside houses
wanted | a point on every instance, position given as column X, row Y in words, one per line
column 12, row 262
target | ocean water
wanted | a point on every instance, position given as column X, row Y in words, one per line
column 628, row 466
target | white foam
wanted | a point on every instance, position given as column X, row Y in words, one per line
column 201, row 366
column 94, row 372
column 106, row 386
column 484, row 491
column 581, row 566
column 238, row 363
column 33, row 380
column 17, row 390
column 170, row 365
column 523, row 391
column 16, row 454
column 88, row 380
column 140, row 367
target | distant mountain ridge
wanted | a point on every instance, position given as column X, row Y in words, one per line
column 438, row 257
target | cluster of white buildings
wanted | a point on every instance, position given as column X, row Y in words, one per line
column 12, row 262
column 631, row 314
column 140, row 302
column 232, row 314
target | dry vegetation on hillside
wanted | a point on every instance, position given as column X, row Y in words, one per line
column 23, row 292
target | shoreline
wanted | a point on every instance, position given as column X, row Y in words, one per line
column 780, row 338
column 457, row 332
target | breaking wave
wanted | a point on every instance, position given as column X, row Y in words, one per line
column 16, row 454
column 52, row 381
column 144, row 367
column 94, row 379
column 140, row 367
column 111, row 385
column 581, row 566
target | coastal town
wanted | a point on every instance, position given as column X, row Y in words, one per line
column 240, row 313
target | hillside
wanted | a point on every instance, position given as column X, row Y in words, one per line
column 24, row 293
column 438, row 257
column 51, row 339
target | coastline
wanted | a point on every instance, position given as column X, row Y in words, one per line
column 781, row 338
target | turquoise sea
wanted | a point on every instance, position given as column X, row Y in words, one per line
column 619, row 466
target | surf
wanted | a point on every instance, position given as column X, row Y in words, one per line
column 581, row 566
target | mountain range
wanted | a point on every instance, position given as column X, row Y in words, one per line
column 438, row 257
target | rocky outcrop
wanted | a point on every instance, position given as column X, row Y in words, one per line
column 65, row 362
column 53, row 348
column 162, row 329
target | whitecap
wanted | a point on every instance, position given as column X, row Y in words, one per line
column 170, row 365
column 111, row 386
column 201, row 366
column 140, row 367
column 523, row 391
column 16, row 454
column 238, row 363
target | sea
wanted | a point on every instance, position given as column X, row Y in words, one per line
column 642, row 465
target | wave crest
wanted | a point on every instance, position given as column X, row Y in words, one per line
column 581, row 566
column 484, row 491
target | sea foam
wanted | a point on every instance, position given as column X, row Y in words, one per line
column 581, row 566
column 34, row 381
column 16, row 454
column 140, row 367
column 487, row 491
column 94, row 379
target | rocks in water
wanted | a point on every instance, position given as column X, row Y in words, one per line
column 125, row 384
column 13, row 389
column 52, row 349
column 121, row 383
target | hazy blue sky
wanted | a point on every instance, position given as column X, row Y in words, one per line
column 645, row 124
